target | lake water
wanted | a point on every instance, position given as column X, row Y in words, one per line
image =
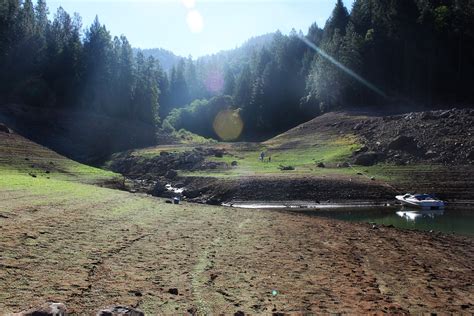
column 451, row 220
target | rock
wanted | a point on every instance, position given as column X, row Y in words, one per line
column 173, row 291
column 234, row 163
column 443, row 131
column 214, row 201
column 445, row 114
column 239, row 313
column 283, row 168
column 47, row 309
column 171, row 174
column 119, row 311
column 158, row 189
column 5, row 129
column 470, row 156
column 191, row 194
column 368, row 159
column 164, row 153
column 321, row 165
column 218, row 153
column 403, row 143
column 343, row 165
column 357, row 127
column 431, row 154
column 426, row 116
column 407, row 144
column 363, row 149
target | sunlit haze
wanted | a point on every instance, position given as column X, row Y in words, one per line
column 198, row 27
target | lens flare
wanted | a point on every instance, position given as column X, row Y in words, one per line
column 228, row 125
column 214, row 81
column 195, row 21
column 342, row 67
column 190, row 4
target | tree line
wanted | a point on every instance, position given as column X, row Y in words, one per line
column 54, row 64
column 412, row 53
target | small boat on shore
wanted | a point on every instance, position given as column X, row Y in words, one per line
column 423, row 201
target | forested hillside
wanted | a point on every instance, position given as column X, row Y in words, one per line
column 166, row 58
column 414, row 53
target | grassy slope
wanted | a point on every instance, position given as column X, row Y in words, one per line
column 300, row 147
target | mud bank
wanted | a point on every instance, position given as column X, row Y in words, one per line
column 314, row 189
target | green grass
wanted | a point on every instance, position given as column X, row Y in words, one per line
column 186, row 137
column 303, row 159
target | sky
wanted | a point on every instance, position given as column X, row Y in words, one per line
column 198, row 27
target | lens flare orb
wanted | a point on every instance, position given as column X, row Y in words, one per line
column 190, row 4
column 228, row 125
column 195, row 21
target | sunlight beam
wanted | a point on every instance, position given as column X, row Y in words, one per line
column 342, row 67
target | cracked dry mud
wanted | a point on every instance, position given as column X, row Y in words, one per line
column 131, row 250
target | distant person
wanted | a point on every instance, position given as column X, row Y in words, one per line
column 269, row 158
column 262, row 156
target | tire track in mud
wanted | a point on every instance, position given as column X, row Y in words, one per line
column 94, row 274
column 207, row 296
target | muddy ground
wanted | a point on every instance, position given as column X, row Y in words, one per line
column 65, row 239
column 190, row 258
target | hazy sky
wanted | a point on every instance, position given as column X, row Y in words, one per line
column 198, row 27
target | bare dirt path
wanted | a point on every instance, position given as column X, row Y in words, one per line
column 119, row 248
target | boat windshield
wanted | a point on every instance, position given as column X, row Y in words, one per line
column 421, row 197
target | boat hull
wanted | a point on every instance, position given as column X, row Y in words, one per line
column 425, row 205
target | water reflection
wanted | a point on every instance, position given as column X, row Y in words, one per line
column 412, row 215
column 450, row 220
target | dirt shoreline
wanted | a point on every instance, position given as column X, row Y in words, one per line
column 225, row 260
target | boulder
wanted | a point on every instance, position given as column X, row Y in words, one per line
column 119, row 311
column 234, row 163
column 321, row 165
column 173, row 291
column 47, row 309
column 358, row 126
column 405, row 143
column 171, row 174
column 158, row 189
column 470, row 155
column 368, row 159
column 363, row 149
column 5, row 129
column 431, row 154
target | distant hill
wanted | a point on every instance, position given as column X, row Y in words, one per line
column 233, row 56
column 236, row 56
column 167, row 58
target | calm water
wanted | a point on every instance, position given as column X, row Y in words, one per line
column 451, row 220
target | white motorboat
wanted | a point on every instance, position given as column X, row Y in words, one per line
column 423, row 201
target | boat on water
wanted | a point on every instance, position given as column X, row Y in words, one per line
column 423, row 201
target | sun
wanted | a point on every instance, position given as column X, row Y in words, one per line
column 189, row 3
column 195, row 21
